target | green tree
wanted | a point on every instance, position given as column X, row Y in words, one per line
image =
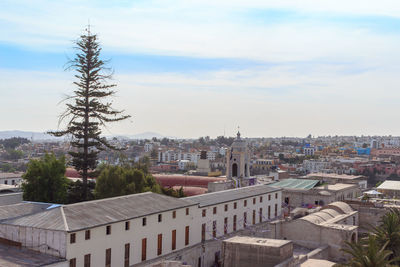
column 388, row 232
column 88, row 109
column 117, row 181
column 368, row 253
column 45, row 181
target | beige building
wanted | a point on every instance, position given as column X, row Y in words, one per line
column 238, row 160
column 390, row 189
column 332, row 178
column 332, row 226
column 308, row 193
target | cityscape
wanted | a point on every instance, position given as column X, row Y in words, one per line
column 199, row 133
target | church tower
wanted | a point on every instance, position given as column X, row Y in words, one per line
column 238, row 160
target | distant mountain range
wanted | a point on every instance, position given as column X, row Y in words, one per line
column 43, row 136
column 29, row 135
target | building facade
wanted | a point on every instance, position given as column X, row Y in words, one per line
column 134, row 229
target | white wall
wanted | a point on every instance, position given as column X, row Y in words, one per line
column 99, row 241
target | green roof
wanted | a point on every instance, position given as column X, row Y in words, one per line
column 296, row 183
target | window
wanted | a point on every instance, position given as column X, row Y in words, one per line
column 215, row 210
column 235, row 205
column 261, row 199
column 108, row 230
column 203, row 232
column 203, row 213
column 174, row 214
column 108, row 257
column 127, row 254
column 72, row 262
column 269, row 197
column 226, row 225
column 214, row 233
column 276, row 210
column 13, row 182
column 72, row 238
column 144, row 247
column 87, row 234
column 159, row 217
column 245, row 203
column 254, row 200
column 234, row 223
column 261, row 214
column 187, row 211
column 276, row 195
column 159, row 244
column 127, row 226
column 173, row 247
column 5, row 182
column 254, row 216
column 226, row 207
column 87, row 261
column 186, row 235
column 144, row 221
column 244, row 219
column 269, row 212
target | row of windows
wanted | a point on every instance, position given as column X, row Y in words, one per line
column 127, row 226
column 204, row 211
column 235, row 222
column 87, row 257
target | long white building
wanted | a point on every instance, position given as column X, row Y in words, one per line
column 134, row 229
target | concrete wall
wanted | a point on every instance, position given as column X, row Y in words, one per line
column 243, row 255
column 45, row 241
column 99, row 241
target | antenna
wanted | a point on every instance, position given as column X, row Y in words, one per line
column 88, row 27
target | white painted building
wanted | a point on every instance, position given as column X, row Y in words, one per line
column 170, row 155
column 311, row 166
column 11, row 178
column 309, row 151
column 183, row 164
column 132, row 229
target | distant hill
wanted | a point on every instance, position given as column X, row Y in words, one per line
column 29, row 135
column 146, row 135
column 43, row 136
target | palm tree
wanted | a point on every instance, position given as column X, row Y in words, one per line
column 388, row 232
column 368, row 253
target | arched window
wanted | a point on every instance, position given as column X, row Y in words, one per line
column 234, row 170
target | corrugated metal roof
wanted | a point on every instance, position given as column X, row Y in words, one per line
column 231, row 195
column 21, row 209
column 296, row 183
column 100, row 212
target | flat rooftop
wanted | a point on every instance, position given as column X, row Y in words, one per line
column 335, row 176
column 336, row 187
column 267, row 242
column 389, row 185
column 317, row 263
column 4, row 175
column 21, row 257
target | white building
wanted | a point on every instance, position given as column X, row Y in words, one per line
column 183, row 164
column 170, row 155
column 11, row 178
column 133, row 229
column 309, row 151
column 311, row 166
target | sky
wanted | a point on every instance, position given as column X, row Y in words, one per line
column 190, row 68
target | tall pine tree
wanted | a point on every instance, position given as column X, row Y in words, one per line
column 88, row 109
